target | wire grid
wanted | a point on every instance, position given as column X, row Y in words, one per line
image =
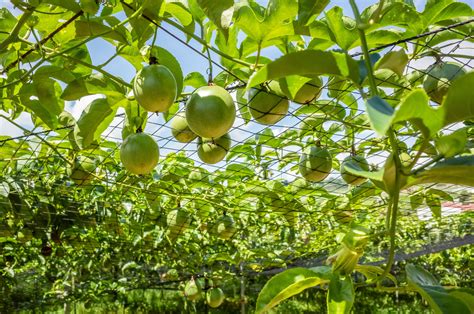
column 241, row 133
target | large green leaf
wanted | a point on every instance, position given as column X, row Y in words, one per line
column 394, row 60
column 308, row 9
column 41, row 97
column 90, row 85
column 275, row 22
column 94, row 120
column 167, row 59
column 343, row 29
column 459, row 102
column 454, row 170
column 95, row 27
column 289, row 283
column 219, row 12
column 380, row 114
column 340, row 297
column 439, row 299
column 308, row 62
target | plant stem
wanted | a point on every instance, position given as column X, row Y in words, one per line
column 210, row 76
column 395, row 195
column 257, row 59
column 365, row 50
column 16, row 30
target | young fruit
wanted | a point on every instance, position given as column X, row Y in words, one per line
column 359, row 162
column 215, row 297
column 309, row 91
column 192, row 290
column 139, row 153
column 266, row 105
column 210, row 111
column 155, row 88
column 438, row 78
column 177, row 220
column 82, row 172
column 224, row 227
column 180, row 129
column 213, row 150
column 315, row 163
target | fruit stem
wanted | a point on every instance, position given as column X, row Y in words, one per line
column 206, row 47
column 257, row 59
column 365, row 49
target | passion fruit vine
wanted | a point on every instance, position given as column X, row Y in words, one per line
column 139, row 153
column 210, row 111
column 155, row 88
column 268, row 105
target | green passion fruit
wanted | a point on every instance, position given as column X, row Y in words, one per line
column 155, row 88
column 139, row 153
column 213, row 150
column 224, row 227
column 192, row 290
column 268, row 105
column 438, row 79
column 309, row 91
column 180, row 129
column 177, row 220
column 83, row 169
column 215, row 297
column 359, row 162
column 210, row 111
column 315, row 163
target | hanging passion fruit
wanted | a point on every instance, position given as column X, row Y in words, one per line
column 213, row 150
column 155, row 88
column 438, row 79
column 268, row 105
column 224, row 227
column 177, row 221
column 315, row 163
column 210, row 111
column 139, row 153
column 358, row 162
column 215, row 297
column 83, row 169
column 180, row 129
column 309, row 91
column 192, row 290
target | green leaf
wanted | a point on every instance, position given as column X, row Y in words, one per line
column 434, row 203
column 340, row 297
column 195, row 79
column 291, row 84
column 373, row 272
column 135, row 117
column 177, row 8
column 289, row 283
column 90, row 85
column 452, row 144
column 275, row 22
column 219, row 12
column 354, row 168
column 243, row 106
column 167, row 59
column 93, row 27
column 439, row 299
column 394, row 60
column 459, row 102
column 343, row 29
column 415, row 107
column 380, row 114
column 47, row 105
column 308, row 62
column 451, row 170
column 416, row 201
column 466, row 295
column 308, row 9
column 94, row 120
